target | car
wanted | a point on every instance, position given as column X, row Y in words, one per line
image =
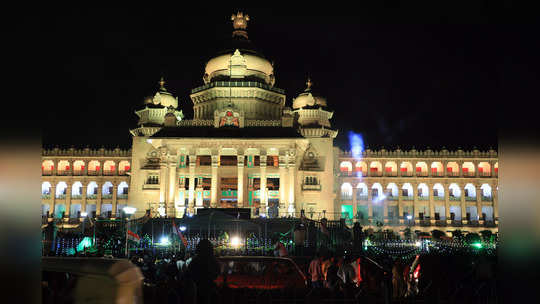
column 262, row 273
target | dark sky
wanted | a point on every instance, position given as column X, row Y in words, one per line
column 400, row 78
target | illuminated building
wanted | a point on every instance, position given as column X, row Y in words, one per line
column 245, row 148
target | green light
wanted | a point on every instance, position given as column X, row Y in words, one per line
column 85, row 243
column 477, row 245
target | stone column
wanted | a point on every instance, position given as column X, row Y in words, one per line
column 213, row 186
column 162, row 181
column 354, row 202
column 495, row 197
column 83, row 202
column 53, row 199
column 385, row 202
column 463, row 204
column 99, row 196
column 100, row 171
column 263, row 198
column 173, row 187
column 479, row 203
column 283, row 203
column 370, row 202
column 115, row 199
column 460, row 164
column 415, row 202
column 68, row 199
column 240, row 180
column 191, row 198
column 85, row 170
column 291, row 207
column 55, row 167
column 431, row 206
column 400, row 204
column 115, row 172
column 447, row 203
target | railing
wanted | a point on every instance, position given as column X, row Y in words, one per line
column 391, row 198
column 46, row 172
column 108, row 172
column 452, row 174
column 45, row 196
column 484, row 174
column 61, row 196
column 487, row 198
column 454, row 199
column 78, row 196
column 469, row 174
column 92, row 196
column 437, row 174
column 423, row 198
column 106, row 196
column 362, row 197
column 346, row 197
column 311, row 187
column 122, row 196
column 241, row 84
column 93, row 173
column 391, row 174
column 407, row 198
column 470, row 199
column 438, row 198
column 63, row 173
column 151, row 186
column 78, row 172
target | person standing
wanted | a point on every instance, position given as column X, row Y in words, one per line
column 203, row 270
column 315, row 271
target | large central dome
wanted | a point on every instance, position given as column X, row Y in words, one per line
column 239, row 60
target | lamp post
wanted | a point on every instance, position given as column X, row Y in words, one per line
column 128, row 211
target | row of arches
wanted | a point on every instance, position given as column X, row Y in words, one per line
column 77, row 189
column 392, row 190
column 108, row 166
column 421, row 168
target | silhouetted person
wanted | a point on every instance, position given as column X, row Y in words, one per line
column 203, row 270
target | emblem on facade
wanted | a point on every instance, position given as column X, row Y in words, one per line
column 229, row 119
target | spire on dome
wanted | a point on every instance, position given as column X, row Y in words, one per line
column 240, row 24
column 308, row 85
column 162, row 84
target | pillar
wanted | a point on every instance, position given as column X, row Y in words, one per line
column 283, row 184
column 68, row 199
column 414, row 186
column 479, row 203
column 85, row 169
column 53, row 200
column 263, row 198
column 463, row 204
column 495, row 196
column 431, row 206
column 240, row 180
column 370, row 202
column 55, row 167
column 83, row 202
column 213, row 185
column 447, row 204
column 99, row 196
column 172, row 188
column 115, row 199
column 291, row 208
column 400, row 203
column 191, row 197
column 355, row 202
column 162, row 181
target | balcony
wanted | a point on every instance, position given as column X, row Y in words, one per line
column 487, row 199
column 346, row 197
column 78, row 196
column 484, row 174
column 150, row 186
column 93, row 173
column 452, row 174
column 407, row 198
column 45, row 196
column 91, row 196
column 470, row 199
column 109, row 172
column 391, row 198
column 391, row 174
column 361, row 197
column 423, row 198
column 61, row 196
column 438, row 198
column 63, row 173
column 122, row 196
column 78, row 172
column 469, row 174
column 437, row 174
column 311, row 187
column 107, row 196
column 46, row 172
column 454, row 199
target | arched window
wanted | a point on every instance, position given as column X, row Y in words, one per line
column 437, row 169
column 46, row 189
column 123, row 167
column 107, row 190
column 452, row 169
column 361, row 168
column 76, row 190
column 123, row 190
column 376, row 190
column 486, row 192
column 421, row 169
column 468, row 169
column 392, row 190
column 496, row 169
column 406, row 169
column 484, row 169
column 346, row 191
column 94, row 167
column 407, row 191
column 361, row 191
column 63, row 167
column 345, row 167
column 61, row 189
column 390, row 168
column 438, row 191
column 109, row 168
column 454, row 192
column 375, row 169
column 423, row 191
column 78, row 167
column 92, row 190
column 47, row 167
column 470, row 192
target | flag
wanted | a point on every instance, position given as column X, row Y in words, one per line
column 133, row 236
column 179, row 233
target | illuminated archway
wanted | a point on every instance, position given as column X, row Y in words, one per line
column 392, row 190
column 345, row 167
column 390, row 168
column 76, row 189
column 361, row 168
column 94, row 166
column 63, row 166
column 438, row 190
column 376, row 190
column 486, row 191
column 423, row 190
column 361, row 191
column 468, row 169
column 375, row 168
column 406, row 169
column 92, row 189
column 484, row 169
column 123, row 167
column 454, row 191
column 45, row 188
column 452, row 169
column 109, row 167
column 346, row 191
column 437, row 169
column 496, row 168
column 61, row 189
column 407, row 190
column 123, row 189
column 47, row 166
column 421, row 169
column 107, row 189
column 470, row 191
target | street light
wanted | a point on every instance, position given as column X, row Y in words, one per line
column 128, row 211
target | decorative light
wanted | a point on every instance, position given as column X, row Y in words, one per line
column 84, row 214
column 235, row 241
column 164, row 241
column 182, row 228
column 477, row 245
column 409, row 217
column 418, row 244
column 149, row 141
column 129, row 210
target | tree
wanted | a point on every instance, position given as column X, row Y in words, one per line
column 472, row 238
column 487, row 236
column 437, row 234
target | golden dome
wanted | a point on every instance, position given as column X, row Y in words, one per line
column 306, row 98
column 237, row 65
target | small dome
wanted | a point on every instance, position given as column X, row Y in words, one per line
column 163, row 97
column 306, row 98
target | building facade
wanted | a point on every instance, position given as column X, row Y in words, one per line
column 245, row 148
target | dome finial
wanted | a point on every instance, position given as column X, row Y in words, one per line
column 240, row 24
column 162, row 84
column 308, row 84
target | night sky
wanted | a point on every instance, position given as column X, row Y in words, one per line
column 400, row 78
